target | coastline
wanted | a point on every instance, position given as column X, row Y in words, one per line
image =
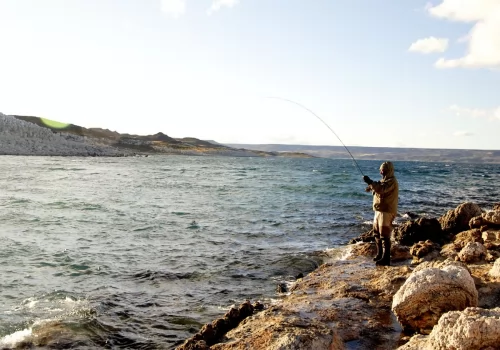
column 352, row 304
column 31, row 136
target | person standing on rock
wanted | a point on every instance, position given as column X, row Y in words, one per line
column 385, row 204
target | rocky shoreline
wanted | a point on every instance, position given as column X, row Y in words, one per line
column 442, row 291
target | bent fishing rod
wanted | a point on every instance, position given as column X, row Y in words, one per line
column 307, row 109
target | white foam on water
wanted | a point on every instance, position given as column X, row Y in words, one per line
column 347, row 254
column 30, row 303
column 69, row 300
column 15, row 338
column 339, row 253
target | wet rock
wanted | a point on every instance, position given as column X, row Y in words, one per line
column 495, row 270
column 211, row 333
column 472, row 252
column 232, row 317
column 366, row 237
column 245, row 310
column 410, row 215
column 221, row 326
column 194, row 345
column 281, row 288
column 457, row 220
column 343, row 301
column 272, row 331
column 50, row 335
column 430, row 292
column 258, row 306
column 421, row 229
column 363, row 249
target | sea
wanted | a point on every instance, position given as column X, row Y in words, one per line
column 140, row 252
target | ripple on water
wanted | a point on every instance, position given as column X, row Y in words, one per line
column 144, row 251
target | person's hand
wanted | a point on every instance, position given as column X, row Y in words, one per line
column 367, row 180
column 368, row 189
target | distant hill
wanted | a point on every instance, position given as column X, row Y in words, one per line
column 384, row 153
column 28, row 135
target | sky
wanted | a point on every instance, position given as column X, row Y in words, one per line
column 389, row 73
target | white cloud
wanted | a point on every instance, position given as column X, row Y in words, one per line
column 218, row 4
column 429, row 45
column 496, row 113
column 492, row 114
column 174, row 8
column 463, row 10
column 462, row 133
column 484, row 37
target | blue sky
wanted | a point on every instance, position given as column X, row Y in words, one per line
column 386, row 73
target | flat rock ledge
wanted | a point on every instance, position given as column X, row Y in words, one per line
column 352, row 304
column 343, row 303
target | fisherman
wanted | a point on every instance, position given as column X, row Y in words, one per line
column 385, row 204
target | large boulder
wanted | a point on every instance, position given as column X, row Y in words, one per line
column 421, row 229
column 471, row 329
column 430, row 292
column 472, row 252
column 457, row 220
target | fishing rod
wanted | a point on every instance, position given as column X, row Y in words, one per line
column 307, row 109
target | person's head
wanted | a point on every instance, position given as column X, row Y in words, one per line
column 387, row 169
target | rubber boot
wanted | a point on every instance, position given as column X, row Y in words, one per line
column 386, row 257
column 378, row 243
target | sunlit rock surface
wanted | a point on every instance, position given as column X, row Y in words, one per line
column 471, row 329
column 430, row 292
column 457, row 220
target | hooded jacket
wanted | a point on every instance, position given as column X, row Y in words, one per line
column 386, row 191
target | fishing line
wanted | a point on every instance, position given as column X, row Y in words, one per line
column 307, row 109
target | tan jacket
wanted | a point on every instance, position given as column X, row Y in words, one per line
column 386, row 192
